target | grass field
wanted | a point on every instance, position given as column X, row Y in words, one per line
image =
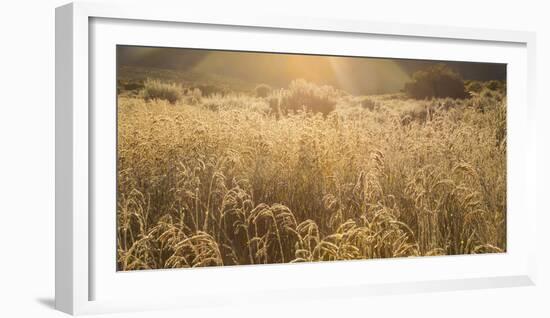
column 305, row 173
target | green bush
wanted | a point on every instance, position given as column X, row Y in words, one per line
column 155, row 89
column 303, row 95
column 436, row 81
column 262, row 90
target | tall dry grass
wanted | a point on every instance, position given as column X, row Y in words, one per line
column 225, row 180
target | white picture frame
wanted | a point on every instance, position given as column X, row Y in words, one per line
column 85, row 284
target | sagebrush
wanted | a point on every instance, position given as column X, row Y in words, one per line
column 155, row 89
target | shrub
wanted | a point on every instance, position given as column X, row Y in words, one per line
column 369, row 104
column 274, row 101
column 495, row 85
column 130, row 85
column 474, row 86
column 436, row 81
column 488, row 93
column 415, row 112
column 196, row 93
column 303, row 95
column 210, row 89
column 194, row 96
column 262, row 90
column 487, row 99
column 133, row 85
column 155, row 89
column 479, row 87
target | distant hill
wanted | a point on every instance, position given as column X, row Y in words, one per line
column 355, row 75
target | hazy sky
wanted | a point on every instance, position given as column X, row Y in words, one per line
column 356, row 75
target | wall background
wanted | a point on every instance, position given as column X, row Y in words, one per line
column 27, row 158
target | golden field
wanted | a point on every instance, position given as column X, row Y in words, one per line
column 239, row 178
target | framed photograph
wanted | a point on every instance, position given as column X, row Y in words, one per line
column 210, row 160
